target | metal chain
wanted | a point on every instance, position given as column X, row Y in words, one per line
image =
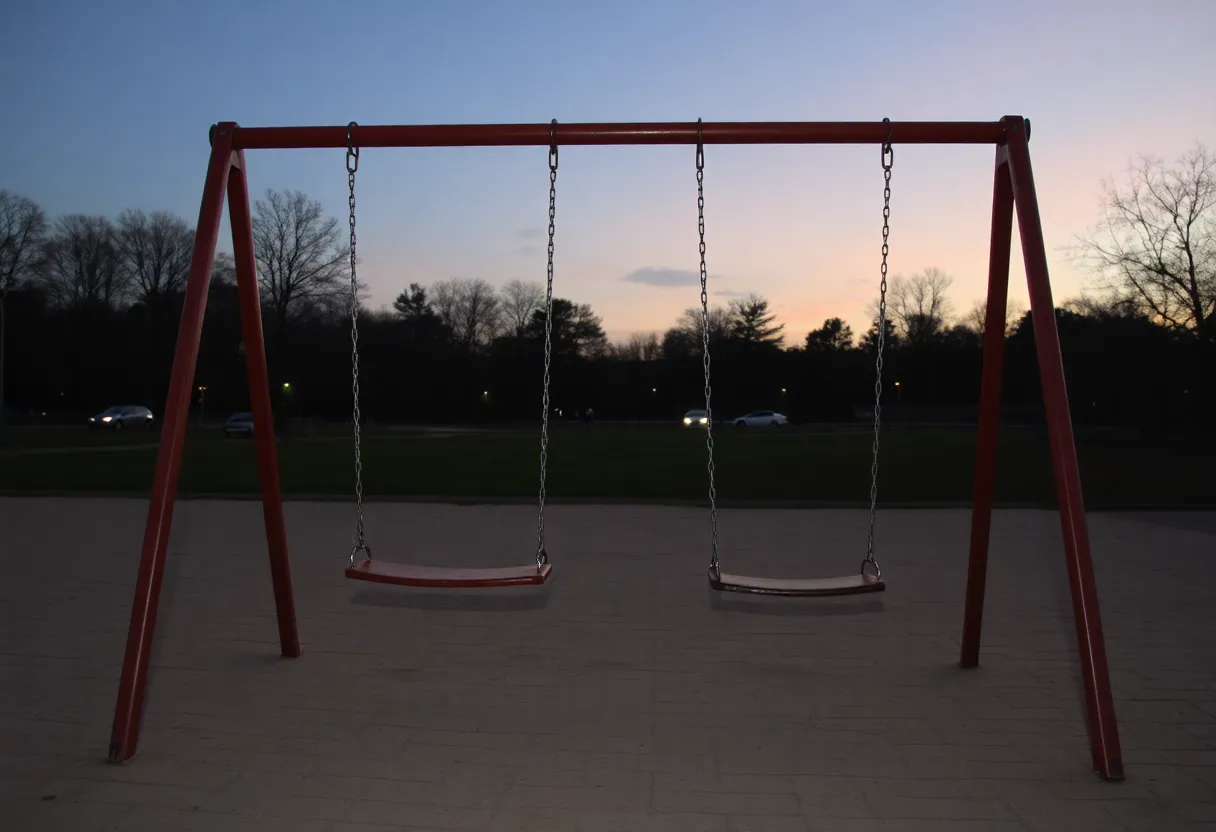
column 542, row 557
column 714, row 569
column 352, row 165
column 888, row 160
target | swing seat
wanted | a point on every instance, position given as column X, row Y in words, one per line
column 797, row 587
column 399, row 574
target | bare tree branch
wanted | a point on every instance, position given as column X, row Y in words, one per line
column 22, row 228
column 155, row 252
column 1156, row 241
column 976, row 318
column 918, row 305
column 471, row 308
column 81, row 265
column 303, row 261
column 519, row 300
column 640, row 346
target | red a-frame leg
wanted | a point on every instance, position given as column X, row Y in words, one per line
column 259, row 397
column 1014, row 187
column 990, row 407
column 128, row 711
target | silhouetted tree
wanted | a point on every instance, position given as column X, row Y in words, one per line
column 155, row 252
column 303, row 263
column 576, row 329
column 918, row 305
column 869, row 341
column 77, row 315
column 82, row 268
column 834, row 336
column 22, row 226
column 640, row 346
column 752, row 324
column 470, row 308
column 419, row 318
column 303, row 259
column 976, row 318
column 1156, row 242
column 684, row 339
column 519, row 301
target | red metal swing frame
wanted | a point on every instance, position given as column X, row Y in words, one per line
column 1013, row 189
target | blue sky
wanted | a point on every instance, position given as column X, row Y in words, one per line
column 107, row 107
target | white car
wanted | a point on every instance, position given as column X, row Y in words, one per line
column 761, row 418
column 122, row 416
column 695, row 417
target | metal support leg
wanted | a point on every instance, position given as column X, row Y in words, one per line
column 990, row 409
column 259, row 398
column 1103, row 731
column 129, row 710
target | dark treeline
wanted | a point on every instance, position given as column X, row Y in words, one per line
column 66, row 362
column 89, row 310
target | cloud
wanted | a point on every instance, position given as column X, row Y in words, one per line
column 730, row 293
column 530, row 233
column 663, row 277
column 527, row 250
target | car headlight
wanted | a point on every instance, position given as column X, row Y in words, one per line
column 687, row 421
column 106, row 418
column 704, row 420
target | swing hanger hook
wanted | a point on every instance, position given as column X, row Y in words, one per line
column 553, row 145
column 352, row 149
column 700, row 145
column 888, row 152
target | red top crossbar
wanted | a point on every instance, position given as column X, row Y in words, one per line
column 722, row 132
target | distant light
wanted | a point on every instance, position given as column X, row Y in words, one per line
column 897, row 384
column 782, row 389
column 654, row 389
column 287, row 386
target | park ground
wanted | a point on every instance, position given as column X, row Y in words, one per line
column 625, row 463
column 623, row 696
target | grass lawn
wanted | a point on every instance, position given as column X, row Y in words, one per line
column 621, row 463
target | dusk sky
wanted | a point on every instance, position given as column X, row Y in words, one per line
column 107, row 107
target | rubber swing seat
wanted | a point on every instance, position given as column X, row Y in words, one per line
column 398, row 574
column 797, row 587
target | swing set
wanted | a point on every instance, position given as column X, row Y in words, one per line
column 1013, row 190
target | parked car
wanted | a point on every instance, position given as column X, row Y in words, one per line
column 695, row 417
column 122, row 416
column 761, row 418
column 239, row 424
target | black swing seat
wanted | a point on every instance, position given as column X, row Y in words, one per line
column 797, row 587
column 398, row 574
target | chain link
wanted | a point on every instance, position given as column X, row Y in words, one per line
column 542, row 557
column 352, row 165
column 714, row 569
column 888, row 160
